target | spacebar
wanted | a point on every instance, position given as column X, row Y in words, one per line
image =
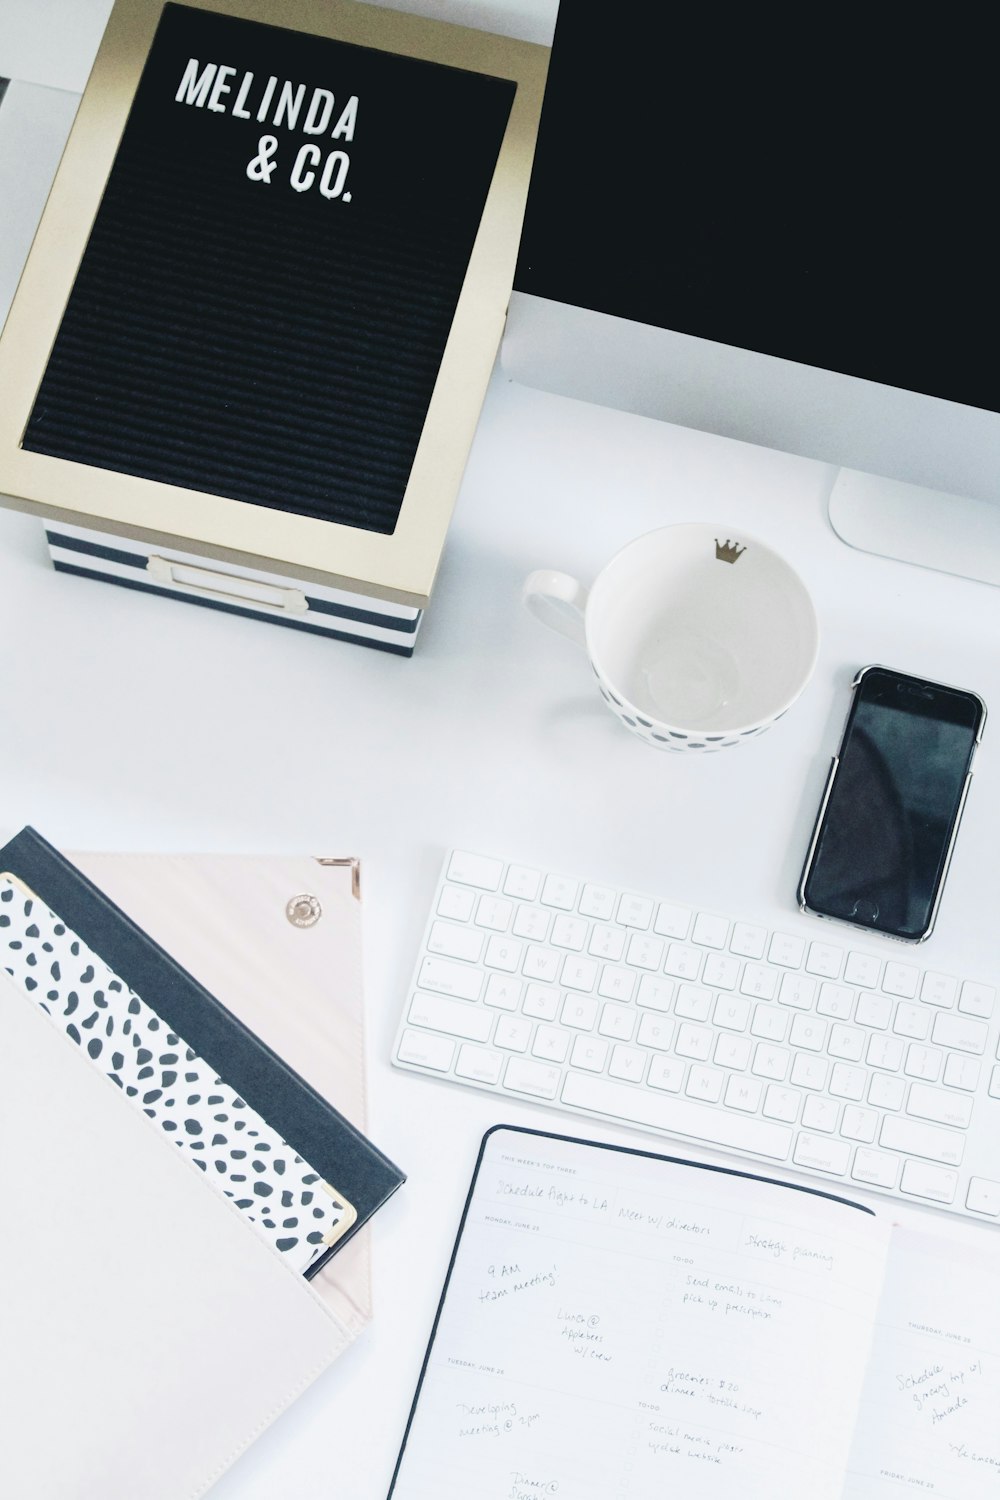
column 678, row 1116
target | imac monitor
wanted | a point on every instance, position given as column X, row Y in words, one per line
column 779, row 227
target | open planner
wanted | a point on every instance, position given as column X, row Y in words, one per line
column 618, row 1325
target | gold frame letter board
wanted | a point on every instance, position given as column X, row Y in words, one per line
column 177, row 374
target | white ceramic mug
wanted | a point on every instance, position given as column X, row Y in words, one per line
column 699, row 635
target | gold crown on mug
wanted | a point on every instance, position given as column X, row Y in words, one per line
column 728, row 551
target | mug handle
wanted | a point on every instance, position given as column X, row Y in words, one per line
column 558, row 600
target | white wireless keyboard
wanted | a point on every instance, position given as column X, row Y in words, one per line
column 623, row 1007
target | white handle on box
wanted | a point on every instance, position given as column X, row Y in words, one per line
column 227, row 587
column 559, row 601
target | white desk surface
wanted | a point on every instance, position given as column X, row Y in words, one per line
column 133, row 723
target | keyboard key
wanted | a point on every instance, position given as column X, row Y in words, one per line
column 710, row 931
column 874, row 1010
column 820, row 1114
column 929, row 1141
column 900, row 979
column 522, row 882
column 655, row 994
column 914, row 1021
column 863, row 970
column 786, row 951
column 940, row 1105
column 426, row 1051
column 977, row 999
column 672, row 921
column 798, row 991
column 591, row 1053
column 541, row 1002
column 847, row 1042
column 550, row 1043
column 525, row 1077
column 733, row 1052
column 731, row 1013
column 748, row 941
column 479, row 1064
column 782, row 1104
column 617, row 1021
column 825, row 960
column 808, row 1032
column 559, row 892
column 450, row 1016
column 809, row 1072
column 569, row 932
column 684, row 1117
column 758, row 982
column 579, row 974
column 744, row 1094
column 682, row 961
column 821, row 1153
column 450, row 979
column 627, row 1063
column 995, row 1083
column 933, row 1183
column 705, row 1083
column 513, row 1033
column 859, row 1124
column 655, row 1031
column 456, row 902
column 875, row 1168
column 886, row 1092
column 694, row 1041
column 504, row 953
column 769, row 1023
column 616, row 984
column 923, row 1062
column 456, row 942
column 959, row 1032
column 579, row 1012
column 939, row 989
column 542, row 964
column 666, row 1073
column 847, row 1082
column 645, row 952
column 607, row 942
column 721, row 972
column 961, row 1072
column 983, row 1196
column 692, row 1003
column 771, row 1062
column 598, row 902
column 886, row 1052
column 532, row 923
column 502, row 993
column 635, row 911
column 494, row 913
column 476, row 870
column 835, row 1001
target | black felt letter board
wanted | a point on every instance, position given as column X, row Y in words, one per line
column 265, row 297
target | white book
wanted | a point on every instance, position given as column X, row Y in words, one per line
column 618, row 1325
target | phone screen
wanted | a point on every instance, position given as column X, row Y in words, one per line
column 883, row 844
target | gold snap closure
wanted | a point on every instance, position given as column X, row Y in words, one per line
column 303, row 911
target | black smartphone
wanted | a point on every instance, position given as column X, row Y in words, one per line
column 888, row 819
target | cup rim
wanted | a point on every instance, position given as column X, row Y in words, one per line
column 736, row 731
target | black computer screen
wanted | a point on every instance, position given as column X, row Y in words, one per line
column 806, row 184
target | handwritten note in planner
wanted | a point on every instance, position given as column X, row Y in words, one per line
column 618, row 1326
column 930, row 1412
